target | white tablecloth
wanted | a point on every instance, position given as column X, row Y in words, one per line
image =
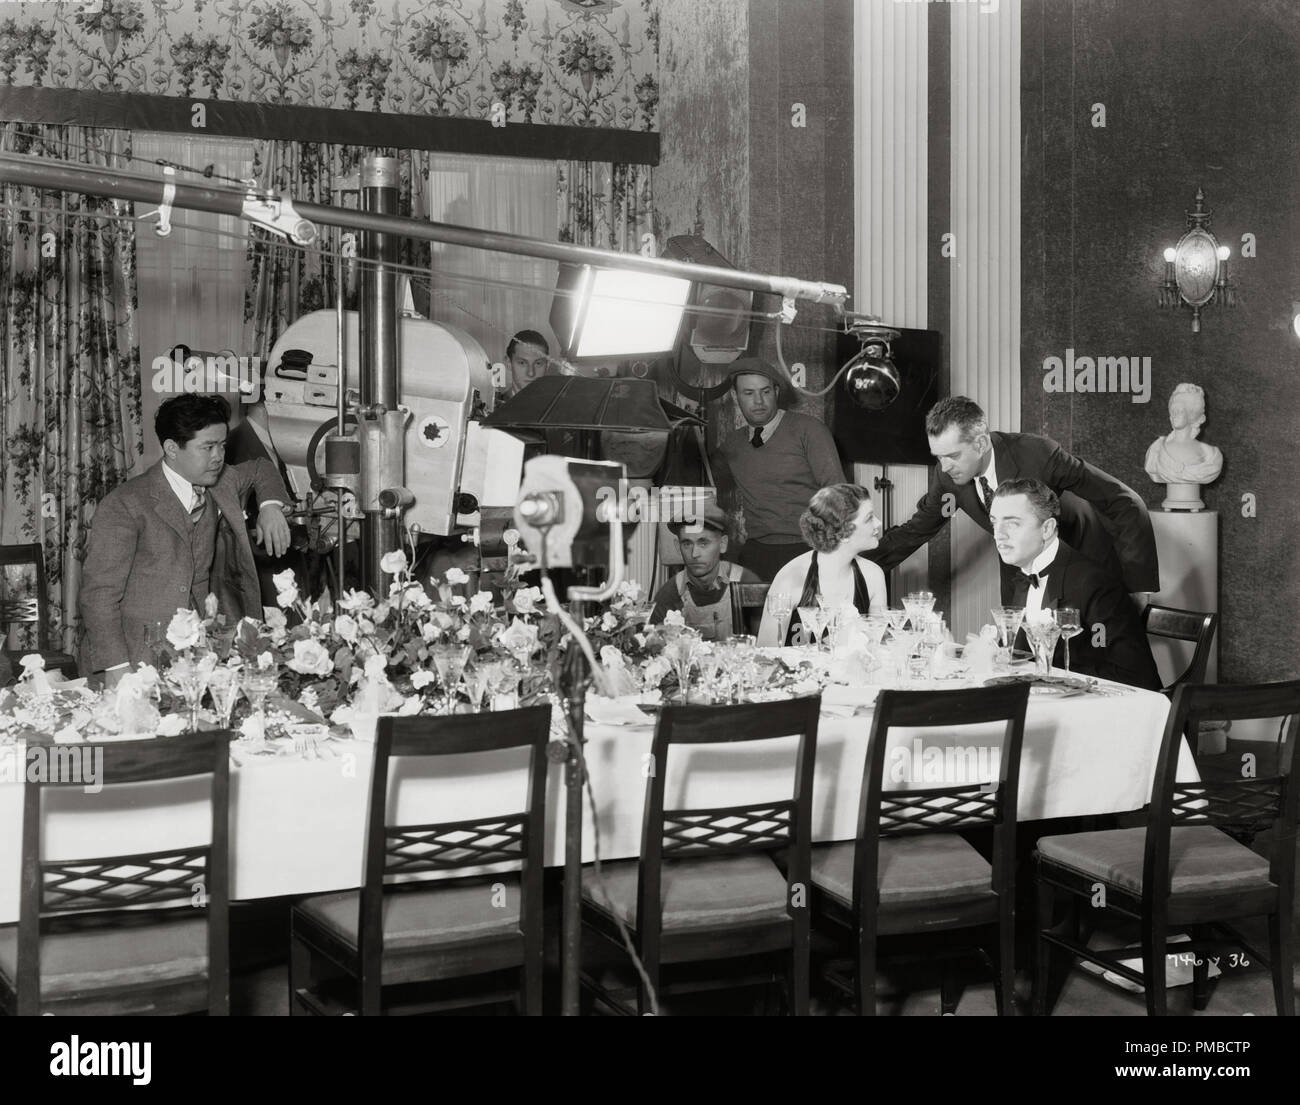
column 298, row 825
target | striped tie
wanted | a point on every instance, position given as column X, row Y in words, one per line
column 196, row 508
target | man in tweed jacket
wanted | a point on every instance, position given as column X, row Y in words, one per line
column 165, row 539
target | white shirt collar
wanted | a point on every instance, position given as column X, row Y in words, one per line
column 183, row 488
column 992, row 474
column 768, row 430
column 1044, row 559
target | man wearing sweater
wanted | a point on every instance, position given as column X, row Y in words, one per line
column 776, row 463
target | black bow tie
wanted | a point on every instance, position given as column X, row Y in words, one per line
column 1035, row 580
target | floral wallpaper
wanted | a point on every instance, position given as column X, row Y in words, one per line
column 563, row 62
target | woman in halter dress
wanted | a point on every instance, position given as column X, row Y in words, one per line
column 839, row 524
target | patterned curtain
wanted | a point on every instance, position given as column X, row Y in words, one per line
column 609, row 206
column 287, row 281
column 69, row 351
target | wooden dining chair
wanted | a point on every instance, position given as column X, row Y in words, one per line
column 1183, row 625
column 401, row 932
column 30, row 609
column 144, row 933
column 706, row 887
column 909, row 872
column 1183, row 871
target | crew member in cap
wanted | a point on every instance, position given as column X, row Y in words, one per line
column 703, row 589
column 777, row 462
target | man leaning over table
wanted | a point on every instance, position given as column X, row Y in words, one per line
column 166, row 538
column 1103, row 519
column 1050, row 575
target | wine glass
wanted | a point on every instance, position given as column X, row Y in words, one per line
column 257, row 685
column 781, row 605
column 810, row 619
column 681, row 653
column 898, row 618
column 711, row 657
column 901, row 643
column 1067, row 617
column 223, row 686
column 477, row 680
column 1008, row 620
column 190, row 677
column 1043, row 634
column 450, row 660
column 918, row 605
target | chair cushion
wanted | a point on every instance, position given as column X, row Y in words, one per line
column 75, row 963
column 1201, row 858
column 417, row 919
column 696, row 893
column 927, row 867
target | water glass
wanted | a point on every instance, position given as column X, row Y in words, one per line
column 781, row 605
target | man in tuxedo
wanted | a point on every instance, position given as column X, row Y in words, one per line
column 1050, row 574
column 167, row 538
column 1100, row 517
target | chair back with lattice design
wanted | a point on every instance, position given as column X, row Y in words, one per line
column 515, row 836
column 686, row 833
column 987, row 800
column 1246, row 804
column 105, row 891
column 24, row 609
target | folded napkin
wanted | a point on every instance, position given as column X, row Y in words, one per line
column 849, row 697
column 615, row 711
column 980, row 653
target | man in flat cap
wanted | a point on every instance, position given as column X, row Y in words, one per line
column 703, row 590
column 777, row 462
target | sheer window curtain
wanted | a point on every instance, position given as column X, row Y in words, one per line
column 492, row 295
column 191, row 282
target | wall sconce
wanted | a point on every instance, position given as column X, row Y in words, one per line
column 1196, row 270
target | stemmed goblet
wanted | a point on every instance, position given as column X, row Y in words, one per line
column 1067, row 617
column 190, row 677
column 259, row 683
column 450, row 660
column 1043, row 634
column 1008, row 620
column 811, row 621
column 223, row 686
column 781, row 605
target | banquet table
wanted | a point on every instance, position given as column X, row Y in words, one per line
column 298, row 824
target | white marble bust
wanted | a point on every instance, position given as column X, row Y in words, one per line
column 1178, row 459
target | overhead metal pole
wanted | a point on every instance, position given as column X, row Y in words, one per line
column 282, row 215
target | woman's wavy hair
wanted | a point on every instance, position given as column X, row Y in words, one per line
column 829, row 517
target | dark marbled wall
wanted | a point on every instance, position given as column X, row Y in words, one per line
column 1196, row 93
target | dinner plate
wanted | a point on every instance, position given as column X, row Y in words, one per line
column 1044, row 686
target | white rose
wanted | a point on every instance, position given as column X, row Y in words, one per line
column 675, row 618
column 185, row 630
column 526, row 600
column 519, row 636
column 277, row 623
column 457, row 602
column 286, row 588
column 346, row 627
column 355, row 601
column 311, row 658
column 421, row 679
column 609, row 622
column 210, row 606
column 265, row 661
column 393, row 562
column 287, row 597
column 376, row 666
column 455, row 576
column 480, row 602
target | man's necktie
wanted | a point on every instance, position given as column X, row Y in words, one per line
column 986, row 494
column 196, row 508
column 757, row 439
column 1035, row 580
